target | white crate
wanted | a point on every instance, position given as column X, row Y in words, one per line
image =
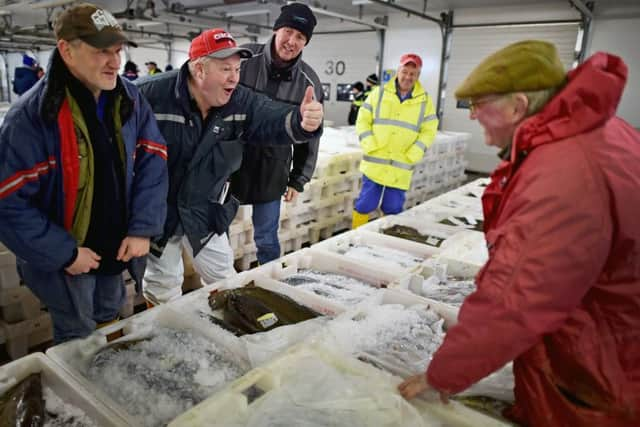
column 8, row 274
column 362, row 237
column 19, row 337
column 464, row 253
column 76, row 356
column 285, row 375
column 197, row 301
column 424, row 225
column 63, row 386
column 18, row 304
column 330, row 263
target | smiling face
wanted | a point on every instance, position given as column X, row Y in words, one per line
column 214, row 80
column 288, row 43
column 96, row 68
column 499, row 116
column 408, row 76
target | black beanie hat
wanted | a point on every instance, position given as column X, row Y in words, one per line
column 298, row 16
column 372, row 79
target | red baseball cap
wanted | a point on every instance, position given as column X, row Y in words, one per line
column 411, row 57
column 216, row 43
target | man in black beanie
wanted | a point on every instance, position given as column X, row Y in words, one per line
column 269, row 172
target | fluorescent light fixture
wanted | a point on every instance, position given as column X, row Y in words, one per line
column 148, row 23
column 247, row 13
column 360, row 2
column 50, row 4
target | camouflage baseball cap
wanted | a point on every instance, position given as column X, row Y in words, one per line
column 90, row 24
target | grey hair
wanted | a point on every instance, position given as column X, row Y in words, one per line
column 202, row 60
column 539, row 98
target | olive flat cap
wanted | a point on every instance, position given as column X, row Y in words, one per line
column 528, row 65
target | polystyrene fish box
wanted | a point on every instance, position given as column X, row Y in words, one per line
column 378, row 250
column 62, row 385
column 19, row 337
column 465, row 253
column 77, row 356
column 197, row 302
column 434, row 234
column 18, row 304
column 8, row 273
column 312, row 385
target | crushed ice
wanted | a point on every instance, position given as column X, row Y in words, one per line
column 60, row 413
column 380, row 255
column 163, row 376
column 342, row 289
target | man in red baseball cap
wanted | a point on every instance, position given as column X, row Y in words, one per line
column 396, row 124
column 202, row 113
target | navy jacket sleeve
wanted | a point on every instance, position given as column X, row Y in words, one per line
column 148, row 209
column 271, row 121
column 26, row 172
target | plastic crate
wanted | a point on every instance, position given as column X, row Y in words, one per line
column 8, row 273
column 340, row 242
column 305, row 369
column 19, row 337
column 18, row 304
column 63, row 385
column 75, row 356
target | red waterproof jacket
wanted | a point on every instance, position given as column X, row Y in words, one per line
column 560, row 294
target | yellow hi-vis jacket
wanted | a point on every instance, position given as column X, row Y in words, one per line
column 395, row 135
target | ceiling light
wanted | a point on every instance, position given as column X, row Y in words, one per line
column 247, row 12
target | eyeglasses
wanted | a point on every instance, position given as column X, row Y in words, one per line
column 473, row 105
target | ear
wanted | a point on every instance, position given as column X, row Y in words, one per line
column 520, row 104
column 64, row 47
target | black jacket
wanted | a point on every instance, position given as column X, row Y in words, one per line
column 267, row 171
column 202, row 156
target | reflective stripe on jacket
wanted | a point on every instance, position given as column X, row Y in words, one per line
column 395, row 135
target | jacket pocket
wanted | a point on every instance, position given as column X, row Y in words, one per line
column 221, row 214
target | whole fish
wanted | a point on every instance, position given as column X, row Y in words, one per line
column 23, row 404
column 253, row 309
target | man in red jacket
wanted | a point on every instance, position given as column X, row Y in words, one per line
column 560, row 293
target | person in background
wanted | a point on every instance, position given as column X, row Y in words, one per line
column 130, row 71
column 202, row 113
column 25, row 76
column 83, row 177
column 395, row 125
column 372, row 81
column 152, row 68
column 560, row 293
column 357, row 90
column 169, row 67
column 269, row 172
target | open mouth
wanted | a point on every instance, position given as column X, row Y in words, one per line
column 228, row 91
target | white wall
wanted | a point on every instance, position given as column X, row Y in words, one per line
column 415, row 35
column 357, row 51
column 622, row 37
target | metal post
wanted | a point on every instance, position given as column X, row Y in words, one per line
column 447, row 29
column 381, row 37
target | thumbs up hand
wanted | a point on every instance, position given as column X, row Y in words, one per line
column 311, row 111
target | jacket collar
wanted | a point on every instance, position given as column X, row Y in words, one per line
column 589, row 99
column 416, row 92
column 181, row 89
column 54, row 91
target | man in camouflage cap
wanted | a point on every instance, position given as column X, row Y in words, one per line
column 83, row 177
column 560, row 292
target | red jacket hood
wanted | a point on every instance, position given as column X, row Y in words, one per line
column 588, row 100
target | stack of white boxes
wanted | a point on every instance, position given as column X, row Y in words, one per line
column 326, row 204
column 23, row 323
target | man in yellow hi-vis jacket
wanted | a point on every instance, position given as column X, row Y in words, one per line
column 396, row 124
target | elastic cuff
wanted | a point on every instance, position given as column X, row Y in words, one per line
column 72, row 259
column 297, row 185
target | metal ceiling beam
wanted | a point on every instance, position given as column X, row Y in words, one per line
column 583, row 8
column 407, row 10
column 519, row 23
column 217, row 18
column 347, row 18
